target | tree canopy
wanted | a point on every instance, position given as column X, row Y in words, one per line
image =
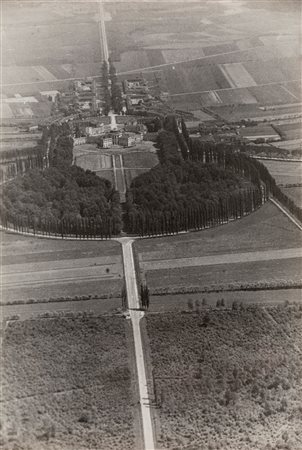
column 190, row 190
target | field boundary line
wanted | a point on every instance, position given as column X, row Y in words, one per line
column 287, row 213
column 158, row 66
column 273, row 83
column 287, row 90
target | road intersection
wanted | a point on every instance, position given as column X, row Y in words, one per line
column 136, row 315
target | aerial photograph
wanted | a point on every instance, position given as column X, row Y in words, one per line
column 151, row 225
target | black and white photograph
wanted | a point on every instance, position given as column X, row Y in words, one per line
column 150, row 225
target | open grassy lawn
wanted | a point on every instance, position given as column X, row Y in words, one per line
column 140, row 160
column 266, row 228
column 38, row 269
column 228, row 379
column 89, row 157
column 66, row 384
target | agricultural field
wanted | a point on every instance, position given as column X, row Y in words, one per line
column 217, row 54
column 13, row 145
column 273, row 70
column 43, row 269
column 294, row 146
column 273, row 230
column 275, row 94
column 291, row 131
column 46, row 48
column 295, row 193
column 239, row 96
column 165, row 277
column 285, row 172
column 213, row 387
column 26, row 110
column 237, row 75
column 224, row 256
column 66, row 383
column 253, row 112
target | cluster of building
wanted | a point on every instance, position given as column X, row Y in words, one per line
column 139, row 98
column 215, row 131
column 136, row 94
column 83, row 98
column 124, row 134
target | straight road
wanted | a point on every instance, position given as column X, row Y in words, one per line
column 102, row 30
column 159, row 66
column 273, row 83
column 290, row 216
column 136, row 315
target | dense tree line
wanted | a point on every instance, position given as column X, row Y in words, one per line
column 191, row 192
column 144, row 296
column 234, row 158
column 62, row 201
column 10, row 169
column 63, row 198
column 116, row 93
column 14, row 162
column 106, row 89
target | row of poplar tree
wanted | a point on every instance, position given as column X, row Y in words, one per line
column 19, row 162
column 57, row 144
column 144, row 297
column 219, row 207
column 83, row 228
column 228, row 156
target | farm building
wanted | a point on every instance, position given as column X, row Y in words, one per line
column 50, row 94
column 265, row 133
column 135, row 84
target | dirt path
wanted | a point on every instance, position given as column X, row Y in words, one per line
column 136, row 315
